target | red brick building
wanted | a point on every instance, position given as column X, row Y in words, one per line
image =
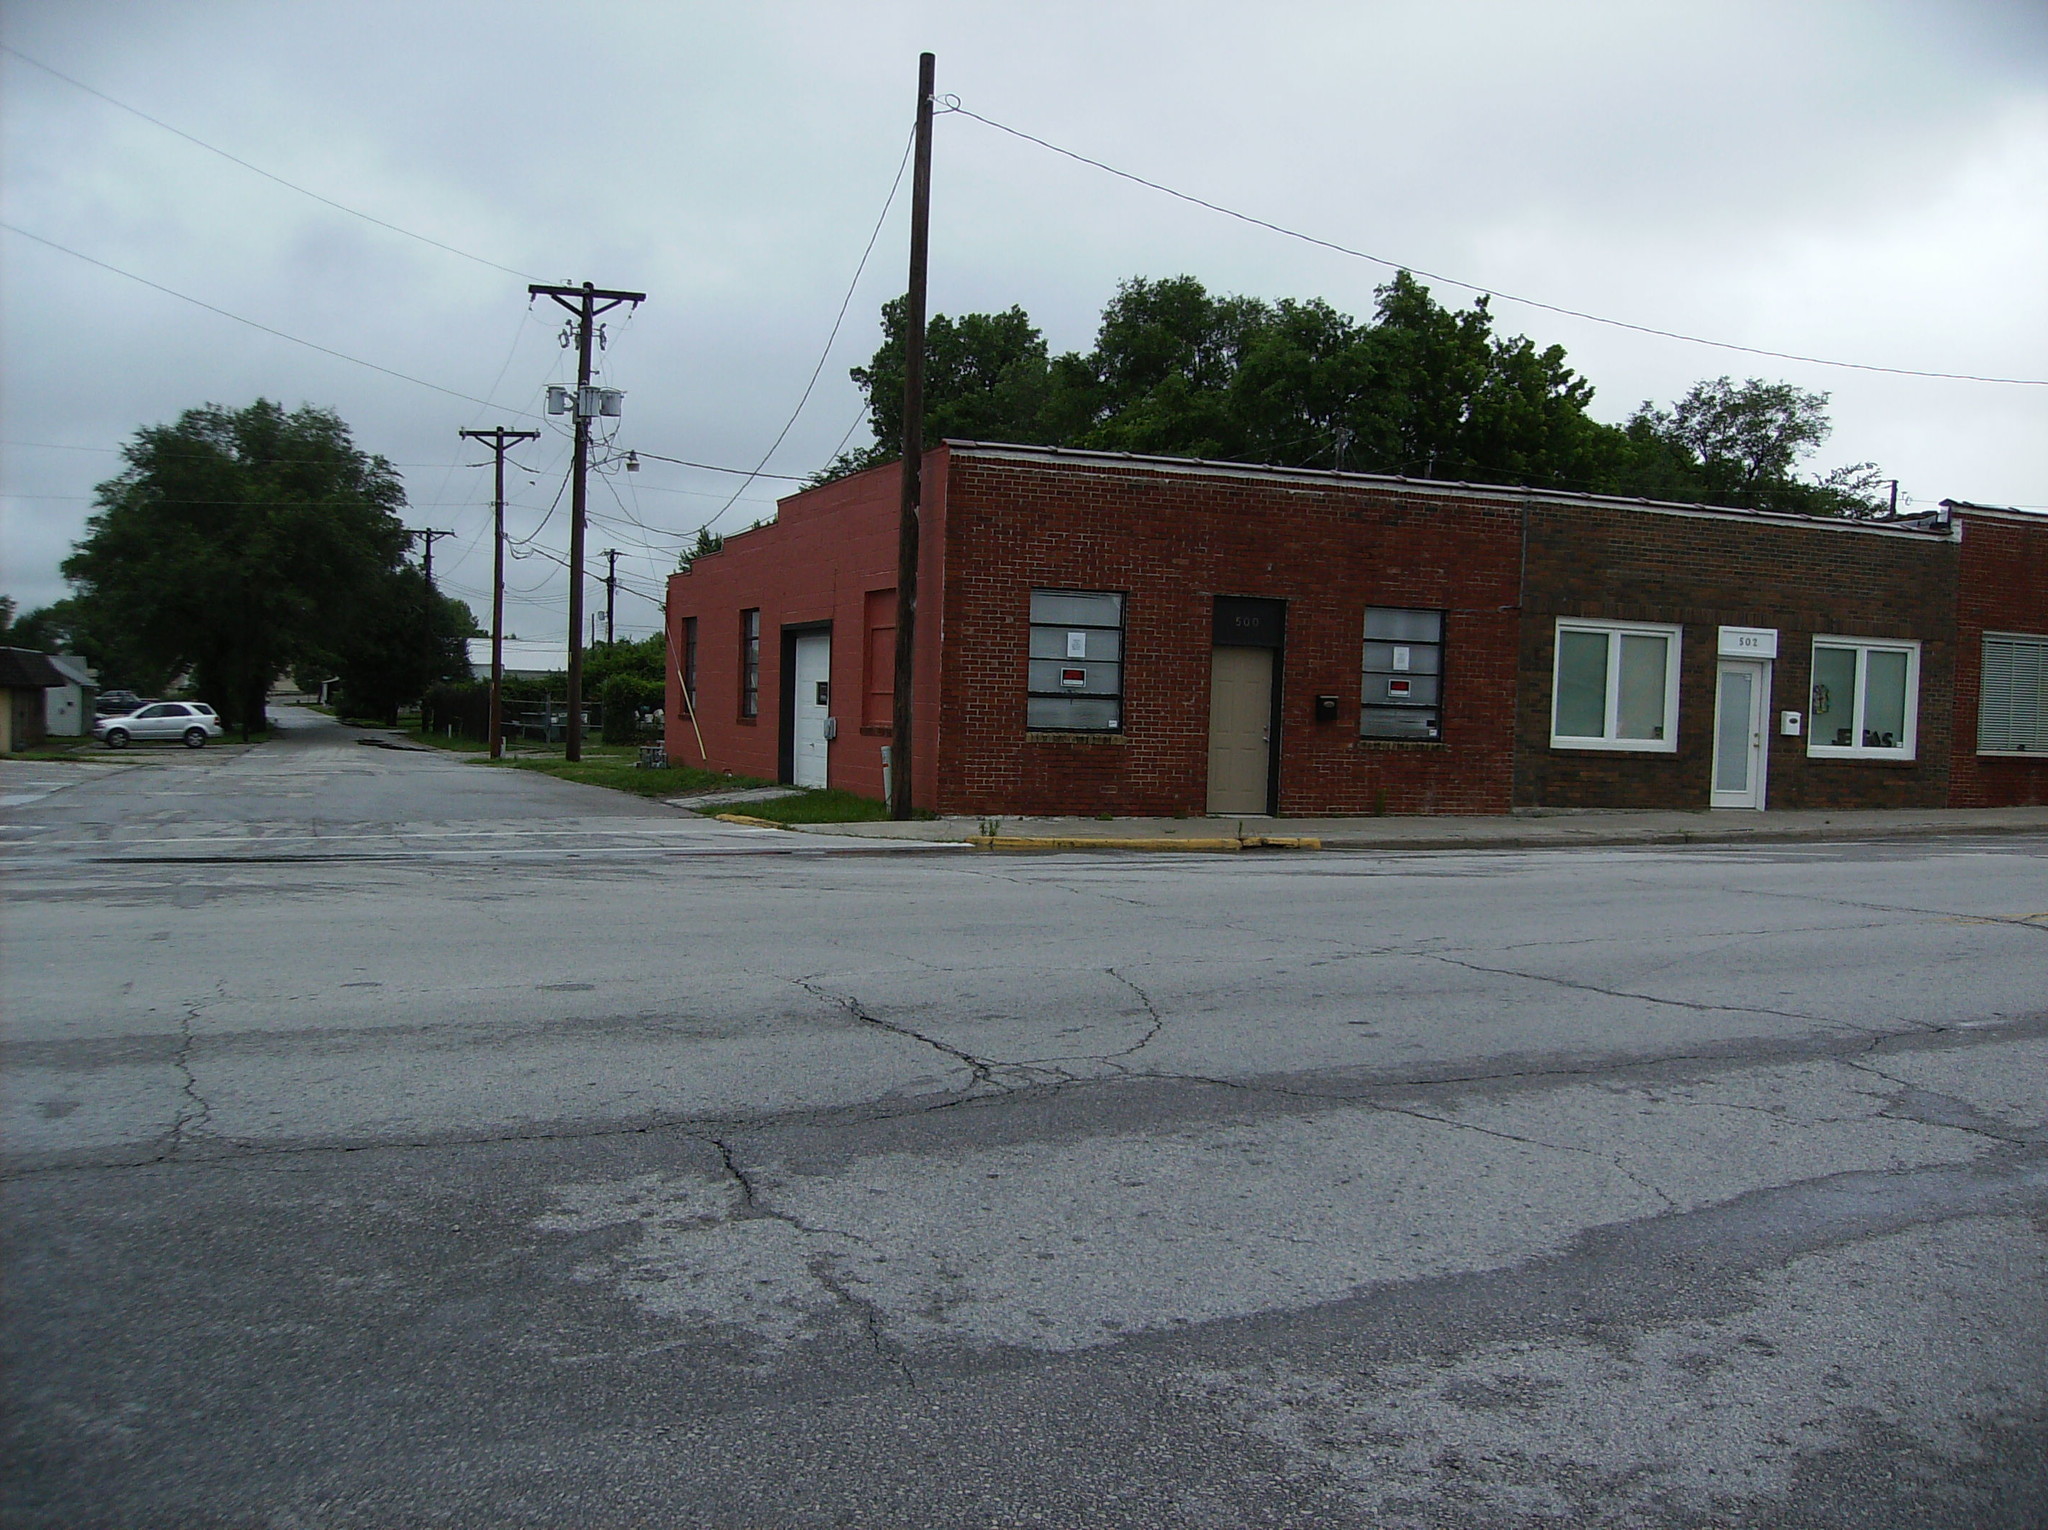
column 2000, row 719
column 1101, row 633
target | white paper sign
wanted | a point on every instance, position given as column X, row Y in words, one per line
column 1401, row 660
column 1077, row 645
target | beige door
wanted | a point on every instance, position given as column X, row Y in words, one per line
column 1240, row 712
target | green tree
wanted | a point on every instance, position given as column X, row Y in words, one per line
column 404, row 638
column 1742, row 444
column 238, row 541
column 1419, row 389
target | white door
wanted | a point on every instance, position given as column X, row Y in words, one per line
column 1240, row 717
column 813, row 680
column 1741, row 696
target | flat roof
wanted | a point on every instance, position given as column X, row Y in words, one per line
column 1919, row 528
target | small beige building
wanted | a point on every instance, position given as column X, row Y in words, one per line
column 24, row 676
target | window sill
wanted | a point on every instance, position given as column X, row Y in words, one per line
column 1056, row 736
column 747, row 722
column 1862, row 756
column 2012, row 754
column 1376, row 744
column 876, row 730
column 1617, row 745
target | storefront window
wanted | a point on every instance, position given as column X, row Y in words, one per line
column 1616, row 687
column 1865, row 698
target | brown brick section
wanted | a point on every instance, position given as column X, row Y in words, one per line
column 2004, row 589
column 1705, row 571
column 1172, row 542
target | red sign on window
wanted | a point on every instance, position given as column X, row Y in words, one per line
column 1073, row 677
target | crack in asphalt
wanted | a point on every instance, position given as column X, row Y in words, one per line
column 1612, row 1159
column 999, row 1094
column 1931, row 1107
column 1651, row 998
column 194, row 1110
column 982, row 1070
column 819, row 1264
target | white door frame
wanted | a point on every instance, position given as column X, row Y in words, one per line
column 1759, row 736
column 810, row 743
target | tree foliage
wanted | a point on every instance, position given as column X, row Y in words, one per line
column 237, row 543
column 1419, row 390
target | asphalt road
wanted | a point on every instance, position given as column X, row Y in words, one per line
column 396, row 1142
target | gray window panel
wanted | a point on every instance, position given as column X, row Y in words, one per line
column 1639, row 709
column 1834, row 696
column 1055, row 608
column 1394, row 626
column 1398, row 722
column 1422, row 690
column 1581, row 684
column 1095, row 714
column 1101, row 679
column 1423, row 658
column 1884, row 700
column 2012, row 707
column 1101, row 643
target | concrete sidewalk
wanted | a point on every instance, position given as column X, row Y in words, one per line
column 1530, row 829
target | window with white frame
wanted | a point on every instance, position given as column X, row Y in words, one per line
column 1615, row 686
column 2012, row 701
column 1866, row 699
column 1076, row 666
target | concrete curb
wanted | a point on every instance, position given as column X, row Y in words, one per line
column 1212, row 846
column 750, row 821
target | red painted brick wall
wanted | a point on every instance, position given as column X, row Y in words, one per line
column 1704, row 571
column 1172, row 540
column 2004, row 588
column 818, row 561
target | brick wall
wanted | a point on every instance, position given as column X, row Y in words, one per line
column 1704, row 571
column 2003, row 588
column 1171, row 541
column 822, row 557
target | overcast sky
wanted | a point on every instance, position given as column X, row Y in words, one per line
column 1864, row 182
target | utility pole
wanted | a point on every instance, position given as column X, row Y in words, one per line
column 429, row 537
column 913, row 449
column 585, row 303
column 611, row 590
column 500, row 442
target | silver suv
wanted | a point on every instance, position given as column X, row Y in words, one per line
column 194, row 723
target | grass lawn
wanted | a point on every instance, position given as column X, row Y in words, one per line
column 614, row 766
column 814, row 807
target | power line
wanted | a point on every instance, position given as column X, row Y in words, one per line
column 354, row 212
column 839, row 319
column 714, row 468
column 310, row 345
column 952, row 105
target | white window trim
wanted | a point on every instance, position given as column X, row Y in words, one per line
column 1613, row 631
column 2004, row 754
column 1864, row 646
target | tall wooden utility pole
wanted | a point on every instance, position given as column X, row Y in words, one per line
column 586, row 303
column 500, row 441
column 913, row 449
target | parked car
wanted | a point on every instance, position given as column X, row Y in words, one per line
column 118, row 703
column 191, row 722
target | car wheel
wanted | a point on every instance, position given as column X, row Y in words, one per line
column 117, row 738
column 195, row 738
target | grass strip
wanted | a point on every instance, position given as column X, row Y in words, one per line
column 829, row 806
column 623, row 775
